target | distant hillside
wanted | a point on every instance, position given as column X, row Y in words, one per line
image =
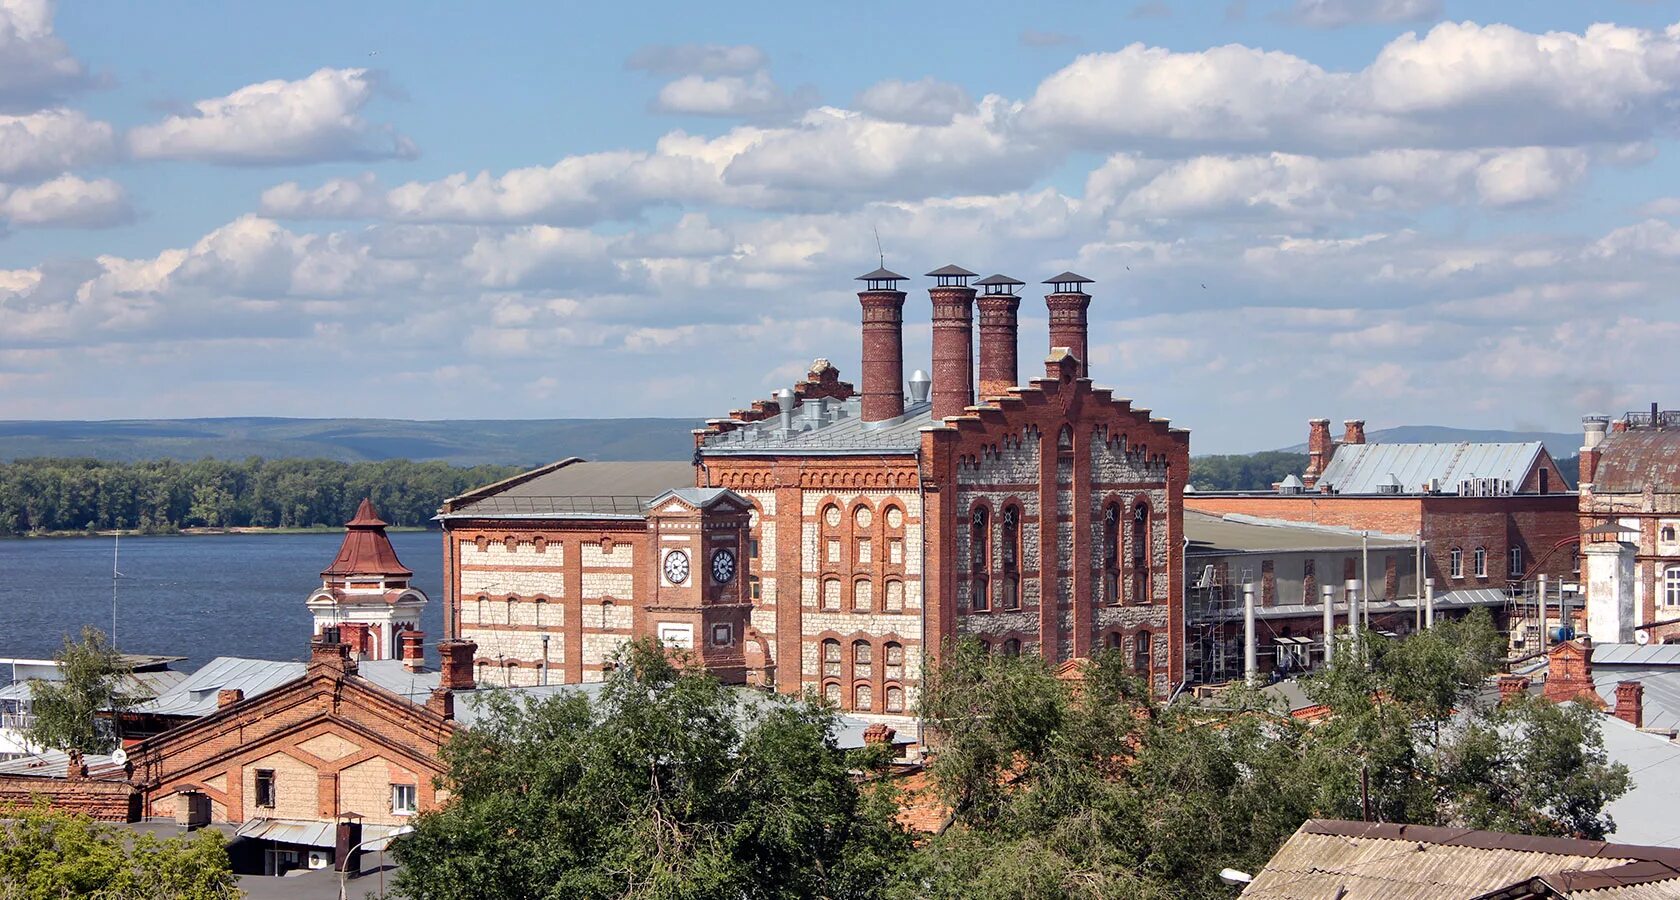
column 1557, row 443
column 463, row 442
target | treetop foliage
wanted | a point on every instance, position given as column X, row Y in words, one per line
column 38, row 495
column 67, row 711
column 1244, row 471
column 48, row 855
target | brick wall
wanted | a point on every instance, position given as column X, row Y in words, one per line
column 107, row 801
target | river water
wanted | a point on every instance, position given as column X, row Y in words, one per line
column 198, row 596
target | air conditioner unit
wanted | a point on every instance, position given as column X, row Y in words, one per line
column 320, row 859
column 1206, row 579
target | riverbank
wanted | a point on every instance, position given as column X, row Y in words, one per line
column 201, row 531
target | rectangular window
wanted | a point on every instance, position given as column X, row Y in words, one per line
column 1671, row 586
column 865, row 552
column 405, row 801
column 895, row 551
column 833, row 551
column 1456, row 563
column 752, row 548
column 265, row 788
column 1481, row 563
column 756, row 587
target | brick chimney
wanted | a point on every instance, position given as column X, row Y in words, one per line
column 1353, row 431
column 883, row 346
column 1320, row 447
column 1512, row 687
column 1569, row 673
column 999, row 335
column 1630, row 703
column 326, row 652
column 454, row 674
column 953, row 341
column 413, row 649
column 227, row 697
column 877, row 734
column 1592, row 430
column 1068, row 304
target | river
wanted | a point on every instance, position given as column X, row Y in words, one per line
column 198, row 596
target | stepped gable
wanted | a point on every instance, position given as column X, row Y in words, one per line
column 366, row 550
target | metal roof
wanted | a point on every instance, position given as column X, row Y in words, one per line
column 196, row 694
column 1067, row 278
column 1365, row 468
column 999, row 279
column 952, row 271
column 1661, row 697
column 575, row 488
column 1645, row 814
column 1212, row 535
column 881, row 274
column 1335, row 860
column 1636, row 654
column 56, row 764
column 841, row 432
column 1632, row 459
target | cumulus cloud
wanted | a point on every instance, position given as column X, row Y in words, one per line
column 36, row 68
column 731, row 96
column 1340, row 13
column 927, row 101
column 313, row 119
column 66, row 201
column 698, row 59
column 50, row 141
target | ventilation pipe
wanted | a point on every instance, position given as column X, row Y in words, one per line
column 1251, row 661
column 920, row 385
column 1329, row 624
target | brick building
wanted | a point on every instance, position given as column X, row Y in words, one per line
column 829, row 538
column 1630, row 526
column 1492, row 516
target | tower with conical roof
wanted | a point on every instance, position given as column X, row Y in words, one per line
column 366, row 592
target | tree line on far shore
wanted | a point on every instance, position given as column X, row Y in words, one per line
column 60, row 495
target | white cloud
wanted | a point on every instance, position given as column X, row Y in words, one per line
column 50, row 141
column 928, row 101
column 66, row 201
column 36, row 68
column 698, row 59
column 314, row 119
column 730, row 96
column 1339, row 13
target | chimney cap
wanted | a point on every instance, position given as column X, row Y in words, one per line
column 999, row 284
column 1068, row 278
column 951, row 276
column 880, row 275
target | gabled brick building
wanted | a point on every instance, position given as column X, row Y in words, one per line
column 1036, row 515
column 1630, row 526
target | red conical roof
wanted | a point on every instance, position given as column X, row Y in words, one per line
column 366, row 550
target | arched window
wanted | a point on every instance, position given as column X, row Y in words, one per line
column 1455, row 561
column 863, row 697
column 831, row 693
column 607, row 618
column 893, row 516
column 831, row 658
column 1009, row 586
column 863, row 659
column 1481, row 562
column 831, row 594
column 1671, row 586
column 1516, row 563
column 985, row 646
column 1012, row 647
column 1064, row 439
column 863, row 548
column 831, row 535
column 894, row 660
column 1140, row 653
column 1140, row 553
column 863, row 595
column 1112, row 640
column 1111, row 554
column 895, row 698
column 1668, row 534
column 980, row 559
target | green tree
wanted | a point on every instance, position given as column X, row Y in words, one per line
column 66, row 712
column 669, row 785
column 48, row 855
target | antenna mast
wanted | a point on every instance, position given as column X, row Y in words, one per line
column 116, row 547
column 878, row 251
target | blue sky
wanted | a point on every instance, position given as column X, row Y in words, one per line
column 1410, row 211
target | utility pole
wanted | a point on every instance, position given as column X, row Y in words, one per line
column 1365, row 576
column 1251, row 662
column 1329, row 593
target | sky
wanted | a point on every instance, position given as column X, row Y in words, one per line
column 1407, row 211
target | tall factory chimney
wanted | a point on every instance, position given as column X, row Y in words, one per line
column 953, row 341
column 883, row 346
column 1068, row 303
column 999, row 334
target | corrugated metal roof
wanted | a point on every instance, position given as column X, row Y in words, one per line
column 1662, row 692
column 1645, row 814
column 1330, row 860
column 1364, row 468
column 574, row 488
column 1632, row 459
column 196, row 695
column 1636, row 654
column 843, row 432
column 1234, row 533
column 55, row 764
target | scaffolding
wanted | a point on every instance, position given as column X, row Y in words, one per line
column 1561, row 604
column 1216, row 654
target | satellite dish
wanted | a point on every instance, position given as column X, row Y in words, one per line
column 119, row 756
column 1642, row 637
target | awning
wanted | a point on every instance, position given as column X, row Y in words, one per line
column 312, row 833
column 1294, row 641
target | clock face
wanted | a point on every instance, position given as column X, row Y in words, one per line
column 723, row 566
column 676, row 567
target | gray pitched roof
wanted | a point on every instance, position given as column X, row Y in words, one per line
column 1364, row 468
column 196, row 695
column 574, row 488
column 1632, row 459
column 842, row 432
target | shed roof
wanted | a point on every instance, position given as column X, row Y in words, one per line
column 1365, row 468
column 1328, row 859
column 1235, row 533
column 1632, row 459
column 574, row 488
